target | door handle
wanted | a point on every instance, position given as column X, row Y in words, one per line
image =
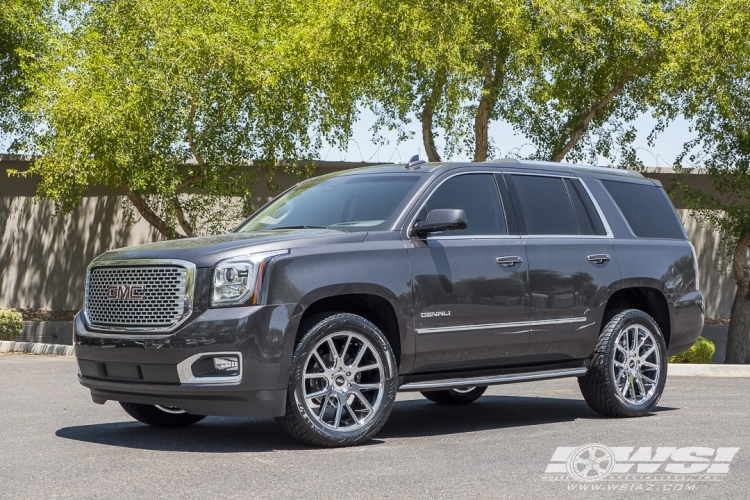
column 509, row 261
column 598, row 258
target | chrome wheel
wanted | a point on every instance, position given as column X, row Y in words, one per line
column 465, row 390
column 636, row 364
column 171, row 409
column 343, row 381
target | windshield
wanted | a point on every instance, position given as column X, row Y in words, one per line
column 346, row 202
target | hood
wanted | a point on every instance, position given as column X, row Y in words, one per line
column 206, row 251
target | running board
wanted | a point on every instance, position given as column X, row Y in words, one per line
column 453, row 383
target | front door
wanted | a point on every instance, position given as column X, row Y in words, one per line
column 470, row 286
column 571, row 264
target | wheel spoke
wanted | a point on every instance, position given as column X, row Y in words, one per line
column 323, row 407
column 366, row 368
column 650, row 365
column 309, row 376
column 339, row 411
column 360, row 354
column 318, row 394
column 332, row 347
column 320, row 360
column 351, row 412
column 369, row 386
column 363, row 400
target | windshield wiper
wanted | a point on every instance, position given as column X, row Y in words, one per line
column 298, row 227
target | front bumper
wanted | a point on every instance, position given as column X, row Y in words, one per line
column 144, row 369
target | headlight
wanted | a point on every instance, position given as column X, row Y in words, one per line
column 237, row 280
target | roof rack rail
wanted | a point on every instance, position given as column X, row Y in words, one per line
column 503, row 160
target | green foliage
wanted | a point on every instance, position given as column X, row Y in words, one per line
column 11, row 324
column 700, row 352
column 22, row 25
column 596, row 74
column 163, row 99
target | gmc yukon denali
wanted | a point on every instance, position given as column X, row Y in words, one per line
column 438, row 278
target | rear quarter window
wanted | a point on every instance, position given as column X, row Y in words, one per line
column 646, row 209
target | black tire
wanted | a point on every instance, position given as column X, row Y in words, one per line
column 157, row 417
column 599, row 385
column 305, row 424
column 455, row 396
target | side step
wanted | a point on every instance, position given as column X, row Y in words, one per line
column 453, row 383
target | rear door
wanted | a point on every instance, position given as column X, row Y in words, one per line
column 571, row 263
column 470, row 289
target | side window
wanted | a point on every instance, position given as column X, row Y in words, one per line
column 646, row 209
column 477, row 196
column 589, row 222
column 545, row 205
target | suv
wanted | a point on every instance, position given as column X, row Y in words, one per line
column 437, row 278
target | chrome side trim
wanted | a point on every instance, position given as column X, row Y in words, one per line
column 512, row 324
column 492, row 380
column 185, row 371
column 189, row 297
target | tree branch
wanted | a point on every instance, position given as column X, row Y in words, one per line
column 140, row 204
column 191, row 141
column 428, row 137
column 493, row 81
column 583, row 125
column 184, row 224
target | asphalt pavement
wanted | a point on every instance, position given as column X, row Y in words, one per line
column 55, row 443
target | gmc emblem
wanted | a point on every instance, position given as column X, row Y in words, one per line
column 125, row 292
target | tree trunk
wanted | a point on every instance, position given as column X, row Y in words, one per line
column 428, row 111
column 184, row 224
column 738, row 338
column 493, row 81
column 140, row 204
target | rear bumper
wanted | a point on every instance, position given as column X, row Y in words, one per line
column 139, row 369
column 688, row 322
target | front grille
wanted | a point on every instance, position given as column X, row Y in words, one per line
column 138, row 297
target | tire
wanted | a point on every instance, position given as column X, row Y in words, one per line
column 608, row 387
column 353, row 403
column 455, row 396
column 160, row 416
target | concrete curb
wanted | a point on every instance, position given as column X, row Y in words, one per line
column 36, row 348
column 696, row 370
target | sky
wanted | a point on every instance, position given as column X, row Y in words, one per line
column 361, row 148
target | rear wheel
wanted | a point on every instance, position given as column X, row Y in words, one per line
column 161, row 416
column 461, row 396
column 628, row 369
column 343, row 381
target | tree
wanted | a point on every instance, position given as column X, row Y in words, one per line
column 168, row 101
column 443, row 62
column 709, row 83
column 597, row 71
column 22, row 27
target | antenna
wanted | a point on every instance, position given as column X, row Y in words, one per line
column 414, row 163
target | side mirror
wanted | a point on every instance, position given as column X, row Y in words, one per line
column 441, row 219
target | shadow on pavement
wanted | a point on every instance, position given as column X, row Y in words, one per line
column 413, row 418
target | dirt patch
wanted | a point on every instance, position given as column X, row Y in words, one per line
column 716, row 321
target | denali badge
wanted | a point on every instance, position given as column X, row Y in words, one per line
column 125, row 292
column 436, row 313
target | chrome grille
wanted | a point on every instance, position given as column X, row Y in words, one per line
column 163, row 297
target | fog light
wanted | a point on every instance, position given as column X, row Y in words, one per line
column 227, row 364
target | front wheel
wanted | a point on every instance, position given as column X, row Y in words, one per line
column 462, row 396
column 161, row 416
column 343, row 381
column 628, row 369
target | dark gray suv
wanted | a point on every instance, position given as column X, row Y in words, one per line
column 438, row 278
